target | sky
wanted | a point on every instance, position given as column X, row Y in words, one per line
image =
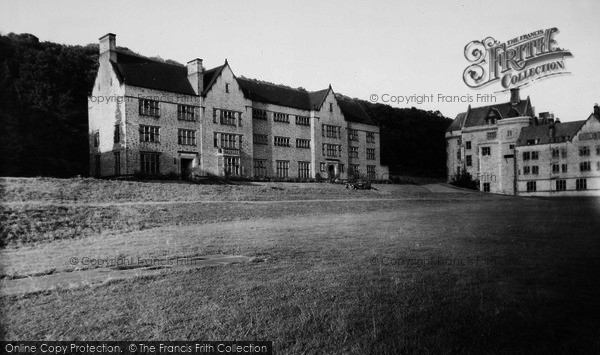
column 372, row 50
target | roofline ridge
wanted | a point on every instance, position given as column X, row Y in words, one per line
column 273, row 84
column 148, row 58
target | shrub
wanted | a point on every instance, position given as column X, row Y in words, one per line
column 464, row 179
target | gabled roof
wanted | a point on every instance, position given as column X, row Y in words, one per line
column 353, row 111
column 210, row 76
column 317, row 98
column 145, row 72
column 476, row 116
column 458, row 122
column 543, row 135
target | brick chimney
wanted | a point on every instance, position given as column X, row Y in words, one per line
column 597, row 110
column 514, row 96
column 195, row 72
column 108, row 47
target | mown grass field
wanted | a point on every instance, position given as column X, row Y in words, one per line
column 394, row 270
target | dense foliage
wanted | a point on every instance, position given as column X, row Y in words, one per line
column 43, row 115
column 412, row 141
column 43, row 106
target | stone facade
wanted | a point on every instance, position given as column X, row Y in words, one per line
column 511, row 151
column 152, row 117
column 568, row 166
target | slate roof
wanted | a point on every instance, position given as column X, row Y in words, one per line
column 210, row 76
column 476, row 116
column 152, row 74
column 542, row 133
column 268, row 93
column 144, row 72
column 353, row 111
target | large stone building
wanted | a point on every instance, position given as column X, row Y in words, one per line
column 511, row 151
column 151, row 117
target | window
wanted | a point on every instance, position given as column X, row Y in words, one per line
column 509, row 133
column 555, row 168
column 186, row 137
column 117, row 134
column 186, row 113
column 330, row 107
column 535, row 170
column 332, row 150
column 149, row 134
column 281, row 141
column 260, row 167
column 330, row 131
column 486, row 187
column 584, row 151
column 281, row 117
column 117, row 163
column 585, row 166
column 303, row 121
column 259, row 114
column 353, row 135
column 370, row 137
column 227, row 87
column 353, row 169
column 486, row 151
column 458, row 142
column 534, row 155
column 303, row 169
column 229, row 141
column 148, row 108
column 261, row 139
column 468, row 145
column 232, row 166
column 598, row 166
column 353, row 152
column 561, row 185
column 322, row 167
column 227, row 117
column 371, row 172
column 491, row 135
column 564, row 168
column 511, row 146
column 555, row 153
column 283, row 168
column 581, row 184
column 469, row 160
column 598, row 150
column 370, row 153
column 531, row 186
column 341, row 168
column 96, row 136
column 563, row 153
column 303, row 143
column 526, row 170
column 526, row 155
column 150, row 163
column 458, row 155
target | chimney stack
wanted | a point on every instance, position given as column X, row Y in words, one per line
column 195, row 72
column 597, row 110
column 514, row 96
column 108, row 47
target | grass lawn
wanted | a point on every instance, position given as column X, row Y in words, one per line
column 388, row 271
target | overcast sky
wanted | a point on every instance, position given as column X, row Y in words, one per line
column 362, row 48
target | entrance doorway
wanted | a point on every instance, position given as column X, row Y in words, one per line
column 331, row 172
column 186, row 168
